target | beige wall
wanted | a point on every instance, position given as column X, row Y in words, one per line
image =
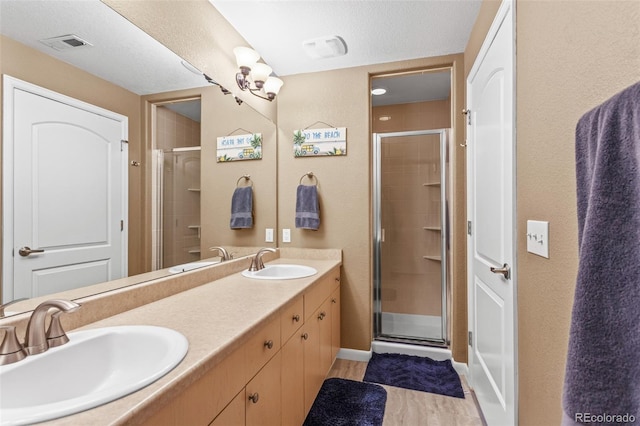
column 28, row 64
column 413, row 116
column 340, row 98
column 564, row 68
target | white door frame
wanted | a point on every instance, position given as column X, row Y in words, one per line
column 10, row 84
column 506, row 11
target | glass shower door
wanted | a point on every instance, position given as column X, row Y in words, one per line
column 410, row 236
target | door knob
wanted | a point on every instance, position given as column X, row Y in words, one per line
column 505, row 270
column 26, row 251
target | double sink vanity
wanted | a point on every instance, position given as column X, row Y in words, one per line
column 216, row 345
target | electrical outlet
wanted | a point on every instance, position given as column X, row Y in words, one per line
column 268, row 235
column 286, row 235
column 538, row 237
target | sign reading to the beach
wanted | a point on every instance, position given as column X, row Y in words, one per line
column 314, row 142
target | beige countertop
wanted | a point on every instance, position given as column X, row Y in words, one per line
column 215, row 318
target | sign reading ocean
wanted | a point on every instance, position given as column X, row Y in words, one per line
column 239, row 147
column 315, row 142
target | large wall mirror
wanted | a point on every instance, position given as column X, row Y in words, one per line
column 179, row 194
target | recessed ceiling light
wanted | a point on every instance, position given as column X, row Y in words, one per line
column 378, row 91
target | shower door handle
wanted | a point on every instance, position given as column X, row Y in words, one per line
column 505, row 270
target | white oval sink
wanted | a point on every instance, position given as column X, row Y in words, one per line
column 281, row 271
column 96, row 366
column 190, row 266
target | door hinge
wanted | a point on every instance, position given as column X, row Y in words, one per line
column 469, row 227
column 121, row 225
column 122, row 142
column 470, row 338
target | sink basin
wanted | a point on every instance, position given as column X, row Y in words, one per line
column 189, row 266
column 96, row 366
column 281, row 271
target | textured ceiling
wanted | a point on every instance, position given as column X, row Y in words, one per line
column 374, row 31
column 121, row 53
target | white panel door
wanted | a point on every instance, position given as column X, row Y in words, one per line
column 491, row 201
column 68, row 194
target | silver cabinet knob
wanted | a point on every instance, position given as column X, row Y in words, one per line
column 254, row 397
column 322, row 315
column 296, row 318
column 305, row 336
column 268, row 344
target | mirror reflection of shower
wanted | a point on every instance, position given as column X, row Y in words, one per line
column 411, row 138
column 176, row 184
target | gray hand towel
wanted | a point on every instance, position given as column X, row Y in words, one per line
column 603, row 362
column 307, row 207
column 242, row 208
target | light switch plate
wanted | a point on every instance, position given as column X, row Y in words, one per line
column 268, row 235
column 286, row 235
column 538, row 237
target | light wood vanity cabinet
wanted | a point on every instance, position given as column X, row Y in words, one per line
column 275, row 376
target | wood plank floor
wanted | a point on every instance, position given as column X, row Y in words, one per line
column 413, row 408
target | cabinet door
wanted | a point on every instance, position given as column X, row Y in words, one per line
column 291, row 318
column 335, row 323
column 262, row 346
column 233, row 414
column 293, row 412
column 324, row 321
column 313, row 376
column 263, row 398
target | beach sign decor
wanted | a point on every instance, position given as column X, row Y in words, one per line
column 239, row 147
column 320, row 142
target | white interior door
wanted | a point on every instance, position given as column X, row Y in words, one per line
column 491, row 207
column 66, row 202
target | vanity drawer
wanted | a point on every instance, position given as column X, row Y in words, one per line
column 320, row 291
column 291, row 318
column 262, row 346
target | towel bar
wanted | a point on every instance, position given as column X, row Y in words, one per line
column 246, row 178
column 310, row 175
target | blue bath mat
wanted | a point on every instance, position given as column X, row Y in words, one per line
column 415, row 373
column 342, row 402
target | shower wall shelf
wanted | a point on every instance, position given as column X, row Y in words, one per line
column 194, row 251
column 431, row 184
column 434, row 258
column 432, row 228
column 193, row 189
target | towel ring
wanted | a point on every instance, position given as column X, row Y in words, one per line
column 310, row 175
column 246, row 178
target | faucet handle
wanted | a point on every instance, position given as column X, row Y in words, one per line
column 11, row 350
column 56, row 335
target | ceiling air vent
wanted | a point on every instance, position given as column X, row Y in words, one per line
column 65, row 42
column 325, row 47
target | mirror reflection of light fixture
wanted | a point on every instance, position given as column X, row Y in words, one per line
column 252, row 71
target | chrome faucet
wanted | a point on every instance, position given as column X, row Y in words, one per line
column 36, row 339
column 256, row 262
column 224, row 254
column 2, row 307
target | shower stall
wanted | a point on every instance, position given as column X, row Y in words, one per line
column 177, row 217
column 411, row 237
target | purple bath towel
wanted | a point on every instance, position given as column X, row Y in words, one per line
column 603, row 363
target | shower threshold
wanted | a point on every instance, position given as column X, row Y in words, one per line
column 436, row 343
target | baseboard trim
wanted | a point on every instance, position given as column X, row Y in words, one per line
column 460, row 367
column 354, row 355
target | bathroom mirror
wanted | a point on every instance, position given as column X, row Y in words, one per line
column 221, row 115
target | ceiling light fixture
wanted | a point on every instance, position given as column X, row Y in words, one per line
column 378, row 91
column 252, row 71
